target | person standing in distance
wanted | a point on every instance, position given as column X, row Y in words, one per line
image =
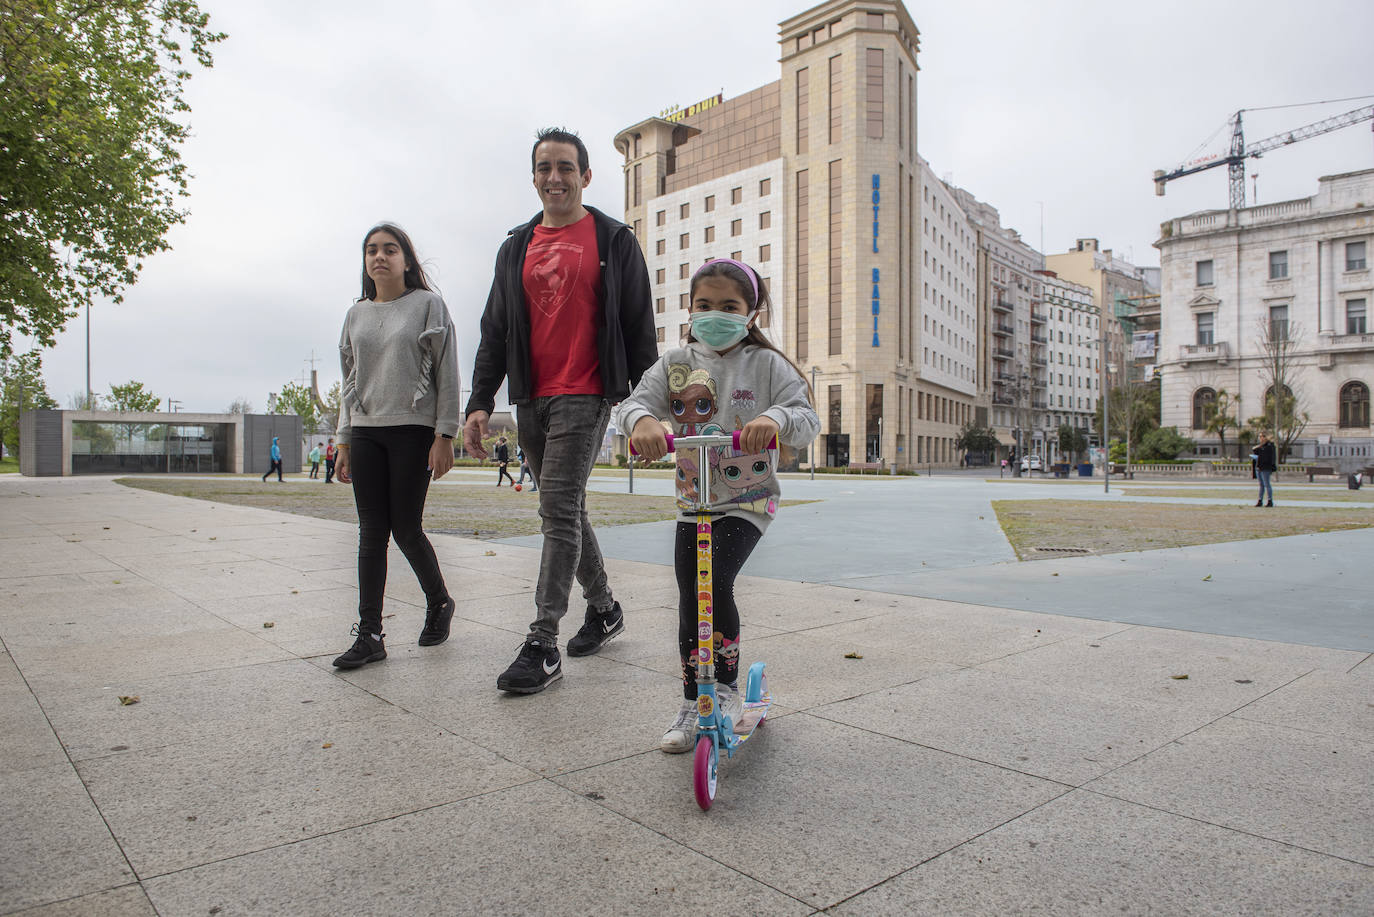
column 398, row 414
column 1266, row 463
column 569, row 326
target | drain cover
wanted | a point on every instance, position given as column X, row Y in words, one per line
column 1063, row 550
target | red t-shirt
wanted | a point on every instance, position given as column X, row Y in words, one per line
column 562, row 280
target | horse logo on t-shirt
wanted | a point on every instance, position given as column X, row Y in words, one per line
column 555, row 271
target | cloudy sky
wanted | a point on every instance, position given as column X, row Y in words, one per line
column 322, row 117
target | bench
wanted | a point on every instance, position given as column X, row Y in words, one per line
column 861, row 467
column 1060, row 470
column 1313, row 470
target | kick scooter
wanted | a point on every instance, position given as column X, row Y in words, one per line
column 715, row 732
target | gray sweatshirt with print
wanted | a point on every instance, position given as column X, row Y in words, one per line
column 700, row 391
column 400, row 366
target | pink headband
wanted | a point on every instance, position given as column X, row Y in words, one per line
column 748, row 272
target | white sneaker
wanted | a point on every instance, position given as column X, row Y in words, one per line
column 731, row 702
column 682, row 734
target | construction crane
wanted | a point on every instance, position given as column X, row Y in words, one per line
column 1235, row 159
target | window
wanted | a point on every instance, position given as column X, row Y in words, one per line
column 710, row 234
column 1278, row 265
column 873, row 101
column 737, row 255
column 658, row 276
column 684, row 240
column 1205, row 328
column 1278, row 323
column 658, row 335
column 1204, row 273
column 682, row 300
column 639, row 228
column 659, row 217
column 765, row 219
column 682, row 270
column 736, row 195
column 1354, row 256
column 710, row 202
column 736, row 227
column 659, row 305
column 682, row 331
column 765, row 252
column 659, row 247
column 1355, row 317
column 766, row 187
column 684, row 211
column 1354, row 404
column 1204, row 406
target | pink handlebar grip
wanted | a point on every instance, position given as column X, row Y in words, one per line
column 734, row 441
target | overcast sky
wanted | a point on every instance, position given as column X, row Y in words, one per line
column 322, row 118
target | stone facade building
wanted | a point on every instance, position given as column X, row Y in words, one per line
column 1295, row 271
column 1073, row 341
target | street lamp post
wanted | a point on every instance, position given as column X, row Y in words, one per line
column 814, row 370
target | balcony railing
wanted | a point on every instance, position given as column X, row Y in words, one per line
column 1001, row 305
column 1040, row 405
column 1037, row 318
column 1005, row 353
column 1003, row 399
column 1040, row 361
column 1350, row 341
column 999, row 328
column 1219, row 351
column 1040, row 338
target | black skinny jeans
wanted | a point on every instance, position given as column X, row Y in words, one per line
column 390, row 479
column 732, row 541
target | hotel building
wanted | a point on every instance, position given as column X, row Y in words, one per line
column 814, row 179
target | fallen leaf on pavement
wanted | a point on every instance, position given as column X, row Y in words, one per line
column 126, row 700
column 853, row 655
column 491, row 554
column 1207, row 578
column 1179, row 677
column 269, row 624
column 327, row 745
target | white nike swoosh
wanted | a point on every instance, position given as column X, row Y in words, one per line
column 550, row 669
column 607, row 627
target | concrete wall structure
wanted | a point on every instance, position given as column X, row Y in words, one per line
column 1228, row 274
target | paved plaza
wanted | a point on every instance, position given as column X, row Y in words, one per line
column 1007, row 741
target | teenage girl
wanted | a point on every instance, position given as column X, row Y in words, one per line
column 728, row 377
column 398, row 414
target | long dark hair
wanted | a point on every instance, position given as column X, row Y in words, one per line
column 415, row 274
column 763, row 306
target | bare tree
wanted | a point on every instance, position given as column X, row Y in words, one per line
column 1278, row 343
column 240, row 405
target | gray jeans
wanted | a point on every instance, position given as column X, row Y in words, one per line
column 561, row 436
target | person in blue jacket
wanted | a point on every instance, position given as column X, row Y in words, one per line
column 276, row 461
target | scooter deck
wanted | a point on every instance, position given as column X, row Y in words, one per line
column 753, row 714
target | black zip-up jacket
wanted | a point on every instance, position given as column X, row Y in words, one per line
column 1265, row 457
column 626, row 342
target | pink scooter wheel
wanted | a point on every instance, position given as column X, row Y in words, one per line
column 704, row 772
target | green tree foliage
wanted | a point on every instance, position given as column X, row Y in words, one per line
column 1072, row 442
column 21, row 388
column 1163, row 444
column 976, row 440
column 131, row 396
column 1221, row 416
column 1134, row 407
column 91, row 125
column 299, row 400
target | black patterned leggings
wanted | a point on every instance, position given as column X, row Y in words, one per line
column 732, row 541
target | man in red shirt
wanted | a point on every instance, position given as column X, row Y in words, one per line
column 569, row 327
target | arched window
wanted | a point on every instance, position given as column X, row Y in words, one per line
column 1354, row 405
column 1204, row 406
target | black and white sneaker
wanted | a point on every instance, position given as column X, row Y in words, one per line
column 538, row 666
column 597, row 630
column 367, row 648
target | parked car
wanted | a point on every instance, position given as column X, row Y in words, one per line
column 1031, row 463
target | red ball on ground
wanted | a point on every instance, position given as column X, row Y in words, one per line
column 517, row 488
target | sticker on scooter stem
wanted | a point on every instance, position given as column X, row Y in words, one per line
column 704, row 656
column 704, row 630
column 704, row 706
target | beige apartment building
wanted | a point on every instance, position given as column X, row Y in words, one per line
column 814, row 179
column 1112, row 279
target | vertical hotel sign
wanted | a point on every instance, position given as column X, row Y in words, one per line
column 877, row 297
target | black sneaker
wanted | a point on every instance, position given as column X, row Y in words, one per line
column 597, row 630
column 537, row 667
column 367, row 648
column 437, row 621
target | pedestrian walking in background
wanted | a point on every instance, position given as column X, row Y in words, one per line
column 315, row 461
column 503, row 461
column 398, row 415
column 329, row 455
column 569, row 325
column 276, row 461
column 525, row 470
column 1265, row 459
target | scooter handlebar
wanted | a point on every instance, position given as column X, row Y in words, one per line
column 717, row 439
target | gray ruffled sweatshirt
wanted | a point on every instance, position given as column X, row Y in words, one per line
column 400, row 366
column 698, row 390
